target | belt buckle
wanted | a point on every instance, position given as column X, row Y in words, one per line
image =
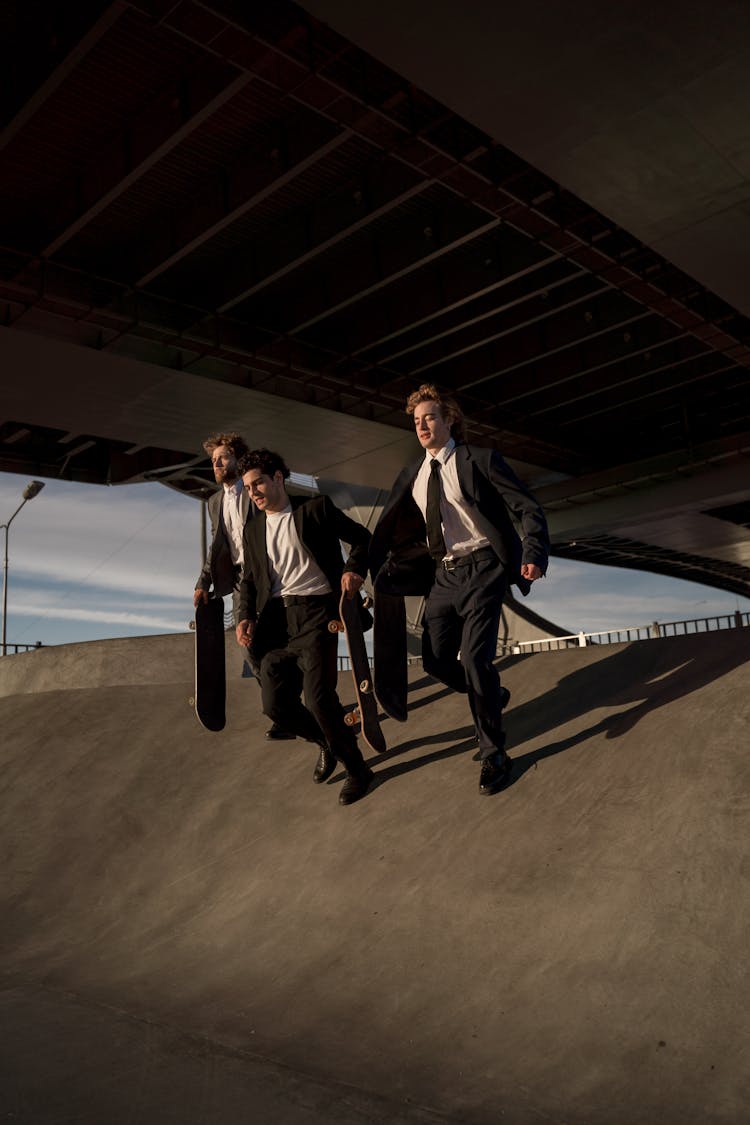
column 450, row 565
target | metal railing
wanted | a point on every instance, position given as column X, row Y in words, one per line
column 655, row 630
column 23, row 647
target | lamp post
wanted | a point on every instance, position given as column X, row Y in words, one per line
column 32, row 489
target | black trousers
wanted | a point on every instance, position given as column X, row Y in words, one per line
column 462, row 614
column 300, row 655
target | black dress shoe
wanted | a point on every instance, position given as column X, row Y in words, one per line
column 325, row 764
column 278, row 734
column 355, row 786
column 495, row 772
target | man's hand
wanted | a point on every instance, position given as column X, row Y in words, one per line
column 530, row 571
column 200, row 596
column 244, row 633
column 350, row 583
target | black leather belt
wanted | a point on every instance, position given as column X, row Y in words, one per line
column 303, row 599
column 464, row 560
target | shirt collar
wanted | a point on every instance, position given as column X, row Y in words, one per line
column 235, row 487
column 443, row 454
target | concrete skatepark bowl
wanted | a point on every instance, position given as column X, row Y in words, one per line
column 194, row 932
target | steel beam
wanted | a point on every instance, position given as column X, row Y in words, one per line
column 312, row 152
column 155, row 136
column 63, row 70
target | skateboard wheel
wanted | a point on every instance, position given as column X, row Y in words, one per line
column 365, row 687
column 351, row 718
column 335, row 627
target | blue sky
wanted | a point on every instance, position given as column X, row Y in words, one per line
column 89, row 562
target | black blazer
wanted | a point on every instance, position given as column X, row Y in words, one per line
column 218, row 569
column 321, row 527
column 493, row 491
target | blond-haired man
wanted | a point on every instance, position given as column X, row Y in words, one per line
column 457, row 500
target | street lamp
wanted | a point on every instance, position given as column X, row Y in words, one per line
column 32, row 489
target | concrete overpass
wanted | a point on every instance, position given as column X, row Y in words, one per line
column 219, row 214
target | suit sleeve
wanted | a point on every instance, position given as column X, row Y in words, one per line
column 204, row 578
column 246, row 608
column 354, row 534
column 400, row 523
column 526, row 509
column 248, row 591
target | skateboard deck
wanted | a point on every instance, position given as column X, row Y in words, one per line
column 210, row 670
column 389, row 652
column 366, row 711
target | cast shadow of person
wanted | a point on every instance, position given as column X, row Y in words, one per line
column 637, row 679
column 387, row 767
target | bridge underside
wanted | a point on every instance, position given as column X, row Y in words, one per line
column 231, row 215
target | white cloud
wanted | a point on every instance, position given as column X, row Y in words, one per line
column 100, row 617
column 134, row 538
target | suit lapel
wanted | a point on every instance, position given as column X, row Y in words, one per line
column 465, row 469
column 218, row 519
column 255, row 537
column 245, row 505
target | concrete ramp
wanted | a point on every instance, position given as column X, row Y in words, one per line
column 193, row 932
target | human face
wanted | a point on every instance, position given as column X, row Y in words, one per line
column 267, row 493
column 225, row 465
column 432, row 429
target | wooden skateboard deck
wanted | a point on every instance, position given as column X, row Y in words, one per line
column 366, row 712
column 210, row 670
column 389, row 653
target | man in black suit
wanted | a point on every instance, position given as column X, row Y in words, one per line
column 456, row 502
column 229, row 510
column 292, row 579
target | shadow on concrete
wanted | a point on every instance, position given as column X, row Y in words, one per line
column 642, row 677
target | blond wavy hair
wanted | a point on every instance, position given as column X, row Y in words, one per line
column 449, row 408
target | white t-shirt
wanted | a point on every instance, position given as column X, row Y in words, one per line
column 292, row 568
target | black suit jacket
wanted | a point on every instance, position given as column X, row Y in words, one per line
column 218, row 569
column 321, row 527
column 493, row 491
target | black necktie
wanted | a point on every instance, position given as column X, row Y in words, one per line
column 435, row 541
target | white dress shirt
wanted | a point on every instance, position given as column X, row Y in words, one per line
column 233, row 522
column 461, row 533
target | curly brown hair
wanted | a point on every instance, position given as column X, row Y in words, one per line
column 266, row 460
column 235, row 443
column 449, row 408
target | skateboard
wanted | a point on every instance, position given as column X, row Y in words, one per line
column 389, row 653
column 408, row 571
column 210, row 671
column 366, row 711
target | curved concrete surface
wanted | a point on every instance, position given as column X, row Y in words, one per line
column 194, row 932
